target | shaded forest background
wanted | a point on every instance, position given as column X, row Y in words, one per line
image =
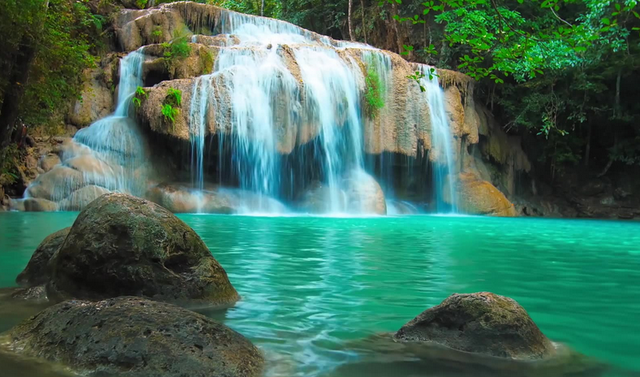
column 563, row 74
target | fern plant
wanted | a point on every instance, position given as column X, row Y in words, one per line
column 139, row 96
column 170, row 112
column 170, row 106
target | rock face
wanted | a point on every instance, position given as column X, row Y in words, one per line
column 180, row 199
column 36, row 272
column 479, row 197
column 133, row 337
column 480, row 323
column 121, row 245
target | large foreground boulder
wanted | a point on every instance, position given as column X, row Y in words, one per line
column 36, row 272
column 480, row 323
column 121, row 245
column 134, row 337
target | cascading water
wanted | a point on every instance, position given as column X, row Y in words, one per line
column 290, row 113
column 265, row 98
column 107, row 156
column 442, row 139
column 116, row 139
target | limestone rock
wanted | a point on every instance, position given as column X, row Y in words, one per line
column 96, row 100
column 180, row 199
column 48, row 161
column 134, row 337
column 82, row 197
column 36, row 272
column 56, row 184
column 364, row 194
column 479, row 323
column 121, row 245
column 39, row 205
column 358, row 192
column 479, row 197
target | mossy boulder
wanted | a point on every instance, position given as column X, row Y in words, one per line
column 36, row 272
column 121, row 245
column 479, row 323
column 134, row 337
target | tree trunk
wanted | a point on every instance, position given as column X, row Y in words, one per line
column 587, row 149
column 364, row 26
column 262, row 9
column 18, row 76
column 349, row 20
column 616, row 109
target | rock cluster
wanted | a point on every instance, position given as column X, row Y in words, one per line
column 133, row 255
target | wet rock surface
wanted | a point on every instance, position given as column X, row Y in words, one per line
column 482, row 323
column 36, row 272
column 134, row 337
column 121, row 245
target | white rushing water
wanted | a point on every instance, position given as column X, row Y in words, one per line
column 109, row 155
column 265, row 99
column 442, row 140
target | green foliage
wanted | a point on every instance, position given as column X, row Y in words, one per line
column 139, row 96
column 157, row 32
column 65, row 35
column 207, row 61
column 374, row 92
column 171, row 104
column 8, row 158
column 170, row 112
column 174, row 97
column 141, row 3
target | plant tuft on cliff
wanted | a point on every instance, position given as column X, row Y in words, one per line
column 140, row 95
column 374, row 92
column 171, row 105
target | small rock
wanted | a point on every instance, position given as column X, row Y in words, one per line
column 480, row 323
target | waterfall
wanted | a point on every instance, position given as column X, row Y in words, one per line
column 116, row 140
column 287, row 115
column 265, row 99
column 442, row 143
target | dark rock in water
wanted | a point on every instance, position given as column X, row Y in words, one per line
column 134, row 337
column 125, row 246
column 36, row 272
column 482, row 323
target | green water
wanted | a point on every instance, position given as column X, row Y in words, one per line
column 311, row 285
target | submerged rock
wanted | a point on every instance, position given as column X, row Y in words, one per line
column 122, row 245
column 36, row 272
column 481, row 323
column 134, row 337
column 478, row 334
